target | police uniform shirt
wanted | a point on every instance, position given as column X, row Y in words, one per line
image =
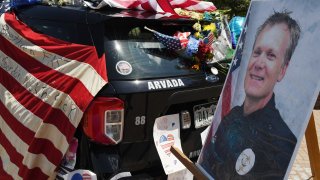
column 256, row 146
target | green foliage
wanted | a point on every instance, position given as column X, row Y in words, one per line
column 235, row 7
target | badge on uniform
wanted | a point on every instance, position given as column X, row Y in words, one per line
column 245, row 161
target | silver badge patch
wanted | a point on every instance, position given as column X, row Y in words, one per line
column 245, row 161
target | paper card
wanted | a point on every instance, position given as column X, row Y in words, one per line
column 166, row 132
column 181, row 175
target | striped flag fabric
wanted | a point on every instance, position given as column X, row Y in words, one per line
column 193, row 5
column 144, row 15
column 224, row 104
column 170, row 42
column 229, row 89
column 45, row 86
column 183, row 37
column 209, row 39
column 163, row 6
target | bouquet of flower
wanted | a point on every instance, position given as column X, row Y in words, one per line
column 211, row 41
column 209, row 44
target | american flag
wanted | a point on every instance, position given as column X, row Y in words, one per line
column 170, row 42
column 45, row 86
column 228, row 90
column 209, row 39
column 144, row 15
column 164, row 6
column 224, row 104
column 183, row 37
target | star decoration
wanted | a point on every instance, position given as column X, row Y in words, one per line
column 235, row 61
column 240, row 45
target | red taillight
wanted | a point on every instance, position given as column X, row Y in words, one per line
column 103, row 120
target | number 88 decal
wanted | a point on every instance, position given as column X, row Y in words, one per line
column 140, row 120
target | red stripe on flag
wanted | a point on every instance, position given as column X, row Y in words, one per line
column 34, row 173
column 20, row 130
column 58, row 46
column 146, row 6
column 38, row 107
column 226, row 97
column 145, row 14
column 133, row 4
column 3, row 174
column 38, row 146
column 47, row 75
column 166, row 6
column 210, row 38
column 15, row 157
column 187, row 3
column 44, row 146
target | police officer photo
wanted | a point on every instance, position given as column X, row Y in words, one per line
column 252, row 140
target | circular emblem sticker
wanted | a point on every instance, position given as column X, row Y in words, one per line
column 123, row 67
column 245, row 161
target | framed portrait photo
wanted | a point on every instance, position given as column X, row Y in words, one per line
column 269, row 94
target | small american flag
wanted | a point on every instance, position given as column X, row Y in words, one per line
column 183, row 37
column 170, row 42
column 209, row 39
column 45, row 86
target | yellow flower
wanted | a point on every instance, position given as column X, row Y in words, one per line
column 197, row 35
column 197, row 27
column 211, row 27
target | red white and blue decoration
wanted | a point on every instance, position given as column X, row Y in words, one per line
column 41, row 102
column 80, row 174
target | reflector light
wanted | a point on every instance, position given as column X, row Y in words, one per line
column 103, row 120
column 113, row 116
column 114, row 124
column 113, row 131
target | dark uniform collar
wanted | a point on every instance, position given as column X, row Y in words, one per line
column 270, row 105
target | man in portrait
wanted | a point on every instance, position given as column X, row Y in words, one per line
column 252, row 140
